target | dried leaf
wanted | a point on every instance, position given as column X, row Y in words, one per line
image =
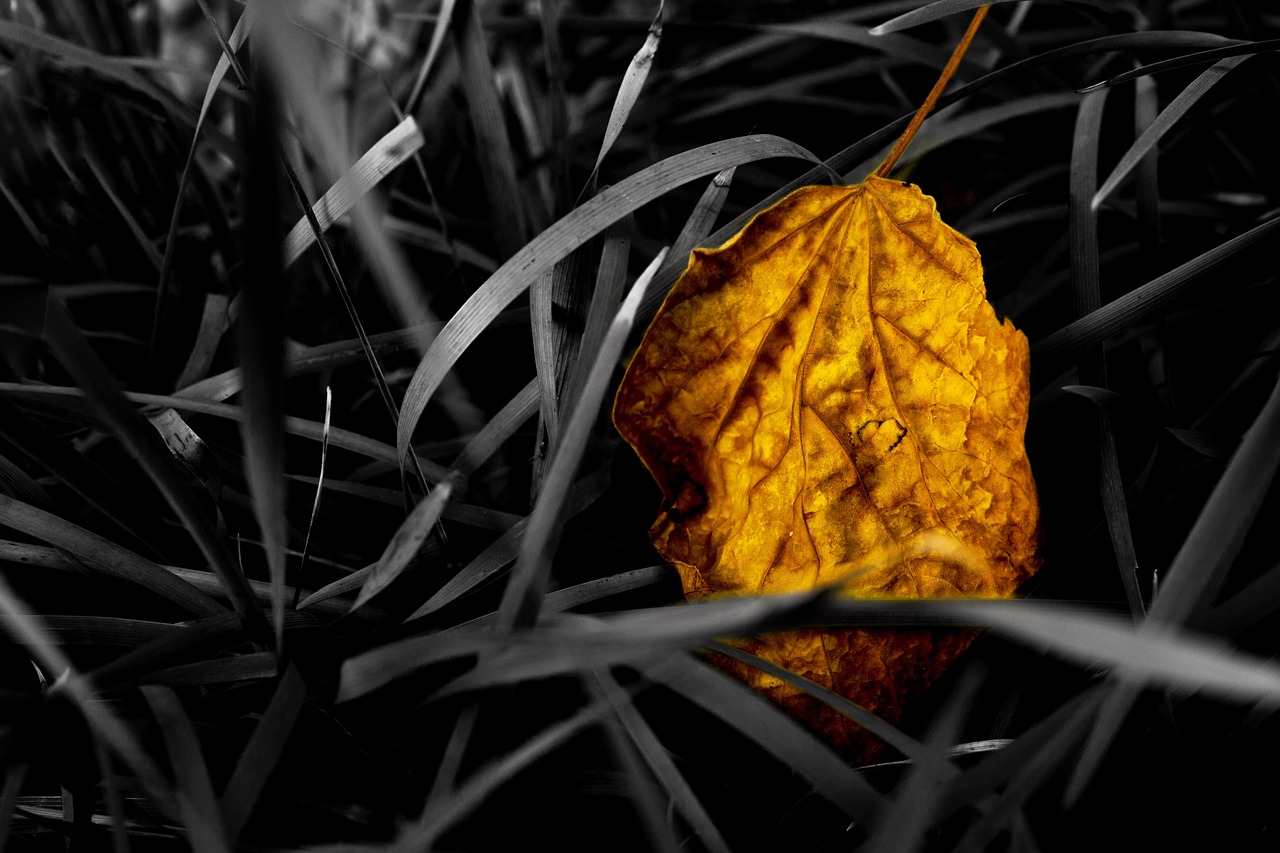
column 830, row 382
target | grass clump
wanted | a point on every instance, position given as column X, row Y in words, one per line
column 313, row 530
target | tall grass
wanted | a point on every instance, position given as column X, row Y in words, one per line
column 342, row 284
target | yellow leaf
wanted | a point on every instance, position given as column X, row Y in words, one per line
column 831, row 382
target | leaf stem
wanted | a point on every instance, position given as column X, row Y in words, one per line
column 921, row 114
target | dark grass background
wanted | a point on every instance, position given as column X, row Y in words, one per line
column 97, row 104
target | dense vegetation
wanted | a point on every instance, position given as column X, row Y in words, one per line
column 188, row 551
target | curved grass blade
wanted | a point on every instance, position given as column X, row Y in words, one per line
column 611, row 279
column 574, row 230
column 1236, row 49
column 944, row 9
column 103, row 555
column 443, row 18
column 1163, row 123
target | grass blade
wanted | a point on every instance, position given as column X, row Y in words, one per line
column 448, row 809
column 1122, row 312
column 1151, row 137
column 103, row 555
column 1086, row 290
column 384, row 157
column 522, row 599
column 261, row 754
column 205, row 830
column 260, row 331
column 492, row 145
column 405, row 544
column 146, row 446
column 574, row 230
column 629, row 92
column 773, row 731
column 501, row 427
column 1237, row 49
column 661, row 764
column 315, row 505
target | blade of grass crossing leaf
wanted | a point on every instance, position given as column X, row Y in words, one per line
column 773, row 731
column 315, row 505
column 261, row 754
column 629, row 92
column 147, row 448
column 1123, row 311
column 1086, row 289
column 883, row 729
column 205, row 830
column 522, row 599
column 556, row 242
column 406, row 543
column 661, row 764
column 1151, row 137
column 493, row 146
column 501, row 427
column 1200, row 564
column 104, row 556
column 393, row 149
